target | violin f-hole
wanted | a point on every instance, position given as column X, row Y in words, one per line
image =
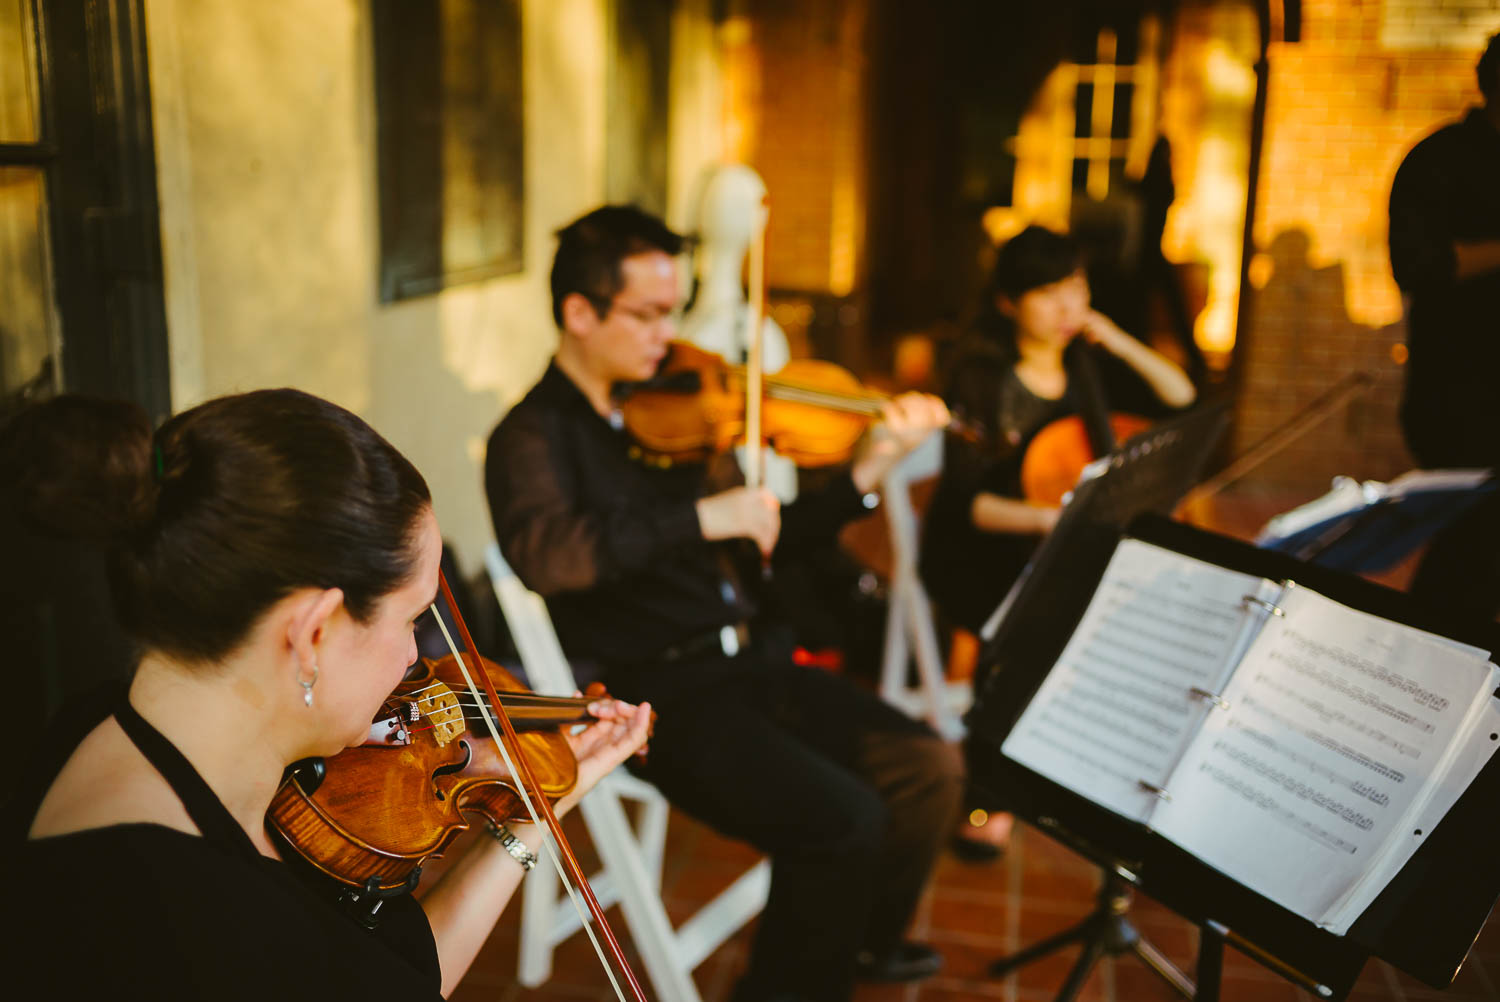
column 450, row 768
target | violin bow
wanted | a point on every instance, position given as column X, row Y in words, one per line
column 754, row 376
column 537, row 806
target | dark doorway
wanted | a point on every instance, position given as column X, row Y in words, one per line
column 80, row 250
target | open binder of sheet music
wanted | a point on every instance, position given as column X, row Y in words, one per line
column 1301, row 747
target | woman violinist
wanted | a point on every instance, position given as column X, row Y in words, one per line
column 1041, row 354
column 273, row 557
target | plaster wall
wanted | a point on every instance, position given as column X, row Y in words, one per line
column 265, row 127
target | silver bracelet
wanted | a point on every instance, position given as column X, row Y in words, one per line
column 512, row 845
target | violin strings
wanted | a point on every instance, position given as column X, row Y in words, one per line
column 819, row 393
column 820, row 399
column 548, row 843
column 787, row 389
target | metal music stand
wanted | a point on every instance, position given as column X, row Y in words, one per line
column 1383, row 530
column 1148, row 473
column 1107, row 931
column 1424, row 920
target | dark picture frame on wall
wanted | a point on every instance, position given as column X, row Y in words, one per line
column 449, row 124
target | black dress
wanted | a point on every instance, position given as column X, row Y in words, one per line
column 146, row 911
column 968, row 571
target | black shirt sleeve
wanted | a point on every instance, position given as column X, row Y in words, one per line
column 817, row 514
column 553, row 539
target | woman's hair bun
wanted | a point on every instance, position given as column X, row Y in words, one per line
column 80, row 466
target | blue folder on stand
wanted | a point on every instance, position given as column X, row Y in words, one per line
column 1370, row 526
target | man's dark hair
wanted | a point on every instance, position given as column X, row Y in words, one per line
column 1488, row 69
column 1031, row 259
column 590, row 249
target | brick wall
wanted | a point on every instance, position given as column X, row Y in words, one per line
column 807, row 61
column 1367, row 80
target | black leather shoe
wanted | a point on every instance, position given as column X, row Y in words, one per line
column 906, row 961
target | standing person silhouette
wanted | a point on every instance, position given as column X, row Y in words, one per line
column 1445, row 253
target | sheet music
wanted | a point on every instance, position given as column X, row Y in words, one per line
column 1117, row 708
column 1337, row 721
column 1455, row 776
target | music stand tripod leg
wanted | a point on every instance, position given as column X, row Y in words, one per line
column 1092, row 950
column 1083, row 931
column 1210, row 962
column 1158, row 962
column 1107, row 931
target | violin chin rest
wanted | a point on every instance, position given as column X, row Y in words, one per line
column 309, row 773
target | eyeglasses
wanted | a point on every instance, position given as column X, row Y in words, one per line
column 645, row 315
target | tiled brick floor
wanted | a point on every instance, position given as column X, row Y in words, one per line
column 972, row 914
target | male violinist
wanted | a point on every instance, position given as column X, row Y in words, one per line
column 638, row 564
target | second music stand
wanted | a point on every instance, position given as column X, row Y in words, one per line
column 1149, row 473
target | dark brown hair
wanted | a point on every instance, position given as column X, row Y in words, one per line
column 72, row 465
column 237, row 502
column 1029, row 260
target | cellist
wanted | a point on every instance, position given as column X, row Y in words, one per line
column 850, row 799
column 1040, row 354
column 272, row 554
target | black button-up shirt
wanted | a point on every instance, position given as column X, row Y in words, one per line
column 614, row 545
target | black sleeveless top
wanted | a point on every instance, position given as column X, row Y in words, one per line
column 142, row 910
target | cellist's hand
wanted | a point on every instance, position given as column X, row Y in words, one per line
column 906, row 421
column 619, row 731
column 1099, row 329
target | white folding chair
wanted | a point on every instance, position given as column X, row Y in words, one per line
column 908, row 626
column 632, row 858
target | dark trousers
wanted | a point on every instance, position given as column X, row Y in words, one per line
column 1460, row 573
column 851, row 799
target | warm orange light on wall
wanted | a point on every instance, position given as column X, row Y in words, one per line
column 741, row 89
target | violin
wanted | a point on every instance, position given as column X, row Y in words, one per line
column 1057, row 454
column 813, row 412
column 370, row 816
column 413, row 806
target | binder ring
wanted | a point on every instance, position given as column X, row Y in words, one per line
column 1270, row 607
column 1154, row 790
column 1212, row 697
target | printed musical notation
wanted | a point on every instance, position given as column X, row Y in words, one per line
column 1118, row 707
column 1329, row 744
column 1299, row 746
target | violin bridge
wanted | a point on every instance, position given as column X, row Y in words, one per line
column 440, row 707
